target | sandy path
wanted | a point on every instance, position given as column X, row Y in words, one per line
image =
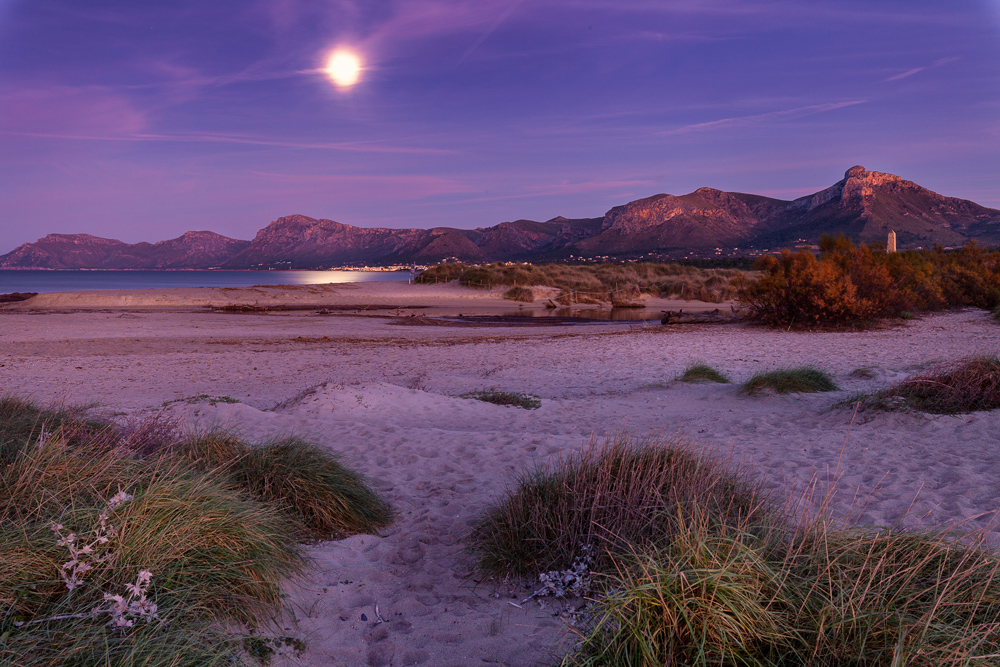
column 386, row 396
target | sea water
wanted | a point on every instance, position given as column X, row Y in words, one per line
column 72, row 281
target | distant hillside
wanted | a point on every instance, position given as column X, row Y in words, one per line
column 192, row 250
column 864, row 206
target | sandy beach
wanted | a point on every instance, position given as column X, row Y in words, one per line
column 385, row 394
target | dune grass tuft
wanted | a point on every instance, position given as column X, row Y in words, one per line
column 604, row 500
column 518, row 293
column 214, row 557
column 703, row 373
column 803, row 379
column 94, row 518
column 967, row 385
column 512, row 398
column 695, row 567
column 306, row 481
column 829, row 596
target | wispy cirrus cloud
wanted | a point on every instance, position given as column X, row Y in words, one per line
column 397, row 187
column 754, row 119
column 352, row 147
column 563, row 188
column 70, row 110
column 906, row 74
column 917, row 70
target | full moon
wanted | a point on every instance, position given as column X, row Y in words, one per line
column 343, row 68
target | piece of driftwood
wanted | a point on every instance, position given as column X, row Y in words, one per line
column 680, row 317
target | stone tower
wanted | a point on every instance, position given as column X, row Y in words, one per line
column 890, row 246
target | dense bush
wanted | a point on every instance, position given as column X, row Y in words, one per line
column 850, row 285
column 518, row 293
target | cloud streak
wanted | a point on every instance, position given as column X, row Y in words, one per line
column 906, row 74
column 754, row 119
column 358, row 147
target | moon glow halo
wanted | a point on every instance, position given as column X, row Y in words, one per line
column 343, row 68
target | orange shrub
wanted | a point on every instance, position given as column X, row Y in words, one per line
column 849, row 284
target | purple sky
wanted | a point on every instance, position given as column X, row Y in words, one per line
column 142, row 120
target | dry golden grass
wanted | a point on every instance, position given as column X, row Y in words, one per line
column 589, row 283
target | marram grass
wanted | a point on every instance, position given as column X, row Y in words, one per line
column 967, row 385
column 516, row 399
column 214, row 526
column 610, row 498
column 310, row 483
column 697, row 373
column 761, row 588
column 803, row 379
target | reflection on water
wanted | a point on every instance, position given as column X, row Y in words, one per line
column 72, row 281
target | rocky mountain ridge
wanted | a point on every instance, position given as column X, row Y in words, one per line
column 864, row 205
column 191, row 250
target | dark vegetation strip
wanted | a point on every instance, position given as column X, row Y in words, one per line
column 590, row 283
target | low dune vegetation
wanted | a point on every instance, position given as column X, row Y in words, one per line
column 517, row 399
column 137, row 546
column 700, row 373
column 623, row 283
column 852, row 285
column 966, row 385
column 803, row 379
column 688, row 562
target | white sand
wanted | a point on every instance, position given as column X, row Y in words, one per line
column 385, row 396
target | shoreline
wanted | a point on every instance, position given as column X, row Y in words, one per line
column 375, row 295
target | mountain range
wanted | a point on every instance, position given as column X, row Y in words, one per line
column 864, row 206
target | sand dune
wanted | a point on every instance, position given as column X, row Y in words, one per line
column 387, row 397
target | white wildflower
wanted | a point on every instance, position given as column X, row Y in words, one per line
column 574, row 581
column 119, row 498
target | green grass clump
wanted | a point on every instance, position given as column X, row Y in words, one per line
column 996, row 313
column 214, row 556
column 803, row 379
column 306, row 481
column 22, row 421
column 604, row 500
column 826, row 596
column 703, row 373
column 516, row 399
column 967, row 385
column 694, row 567
column 216, row 534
